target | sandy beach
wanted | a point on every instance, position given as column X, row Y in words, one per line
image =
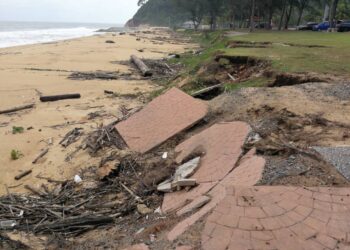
column 26, row 72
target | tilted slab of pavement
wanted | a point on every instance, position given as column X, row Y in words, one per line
column 161, row 119
column 221, row 149
column 248, row 173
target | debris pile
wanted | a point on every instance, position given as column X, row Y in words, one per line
column 167, row 163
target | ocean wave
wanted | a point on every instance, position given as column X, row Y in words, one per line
column 16, row 38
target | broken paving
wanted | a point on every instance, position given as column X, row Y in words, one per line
column 213, row 183
column 161, row 119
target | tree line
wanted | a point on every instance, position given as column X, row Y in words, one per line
column 250, row 13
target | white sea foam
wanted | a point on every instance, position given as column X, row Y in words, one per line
column 24, row 37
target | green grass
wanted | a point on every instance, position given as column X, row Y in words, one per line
column 256, row 82
column 212, row 42
column 17, row 130
column 16, row 154
column 333, row 59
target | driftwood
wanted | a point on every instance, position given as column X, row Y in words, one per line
column 34, row 190
column 231, row 77
column 71, row 137
column 207, row 90
column 25, row 173
column 71, row 224
column 59, row 97
column 7, row 111
column 40, row 156
column 102, row 75
column 141, row 66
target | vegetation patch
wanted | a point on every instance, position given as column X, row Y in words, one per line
column 17, row 130
column 16, row 154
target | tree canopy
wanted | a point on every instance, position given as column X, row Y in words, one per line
column 241, row 13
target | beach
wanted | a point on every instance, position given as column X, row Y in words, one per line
column 27, row 72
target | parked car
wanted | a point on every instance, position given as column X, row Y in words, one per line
column 308, row 26
column 344, row 26
column 321, row 26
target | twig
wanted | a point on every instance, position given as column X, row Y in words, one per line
column 137, row 198
column 231, row 76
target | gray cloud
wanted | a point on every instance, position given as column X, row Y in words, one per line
column 103, row 11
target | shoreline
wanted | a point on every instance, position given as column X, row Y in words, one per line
column 49, row 42
column 31, row 70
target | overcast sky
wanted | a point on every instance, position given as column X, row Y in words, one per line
column 92, row 11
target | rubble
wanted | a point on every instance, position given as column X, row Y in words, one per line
column 143, row 209
column 220, row 147
column 161, row 119
column 339, row 157
column 247, row 173
column 180, row 177
column 209, row 174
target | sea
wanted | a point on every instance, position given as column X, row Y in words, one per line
column 23, row 33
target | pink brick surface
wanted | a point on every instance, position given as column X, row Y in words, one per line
column 161, row 119
column 248, row 173
column 222, row 146
column 277, row 218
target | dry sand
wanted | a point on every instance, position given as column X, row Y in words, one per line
column 20, row 85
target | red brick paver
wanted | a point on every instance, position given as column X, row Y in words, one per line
column 279, row 218
column 248, row 173
column 161, row 119
column 222, row 146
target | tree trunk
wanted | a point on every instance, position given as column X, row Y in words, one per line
column 141, row 66
column 241, row 20
column 301, row 11
column 333, row 14
column 252, row 16
column 54, row 98
column 233, row 22
column 289, row 14
column 269, row 26
column 282, row 14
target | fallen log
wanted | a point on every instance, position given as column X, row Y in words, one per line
column 141, row 66
column 59, row 97
column 25, row 173
column 40, row 156
column 6, row 111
